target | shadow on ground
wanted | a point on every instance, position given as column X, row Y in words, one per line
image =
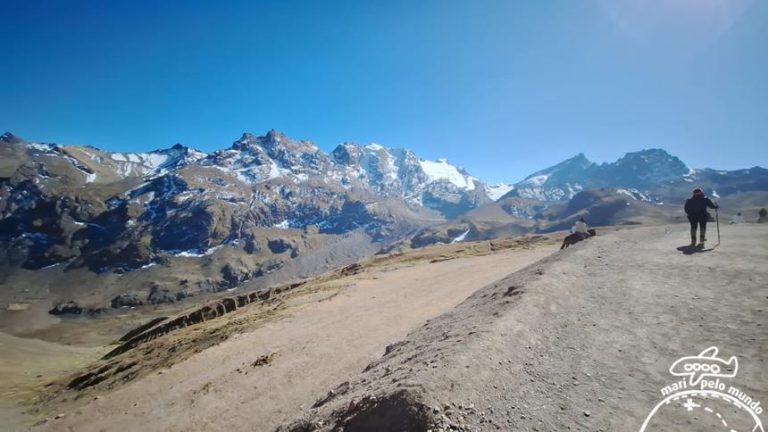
column 690, row 250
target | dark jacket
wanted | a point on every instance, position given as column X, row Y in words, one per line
column 696, row 208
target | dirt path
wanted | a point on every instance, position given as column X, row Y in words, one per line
column 309, row 352
column 583, row 340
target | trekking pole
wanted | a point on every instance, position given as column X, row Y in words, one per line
column 717, row 222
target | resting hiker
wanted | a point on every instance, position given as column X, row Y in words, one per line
column 579, row 232
column 580, row 227
column 738, row 219
column 696, row 209
column 575, row 237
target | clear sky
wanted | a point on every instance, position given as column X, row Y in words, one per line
column 502, row 88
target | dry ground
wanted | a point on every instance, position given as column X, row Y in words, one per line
column 582, row 340
column 268, row 362
column 578, row 340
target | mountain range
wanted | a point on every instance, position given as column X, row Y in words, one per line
column 75, row 220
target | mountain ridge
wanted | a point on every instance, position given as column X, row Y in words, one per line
column 575, row 168
column 265, row 203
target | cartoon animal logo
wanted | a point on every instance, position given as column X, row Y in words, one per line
column 706, row 364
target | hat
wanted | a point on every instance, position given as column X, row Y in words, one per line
column 698, row 190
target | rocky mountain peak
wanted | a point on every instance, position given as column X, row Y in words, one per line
column 578, row 162
column 647, row 155
column 275, row 136
column 348, row 154
column 571, row 170
column 246, row 141
column 634, row 170
column 652, row 165
column 9, row 138
column 579, row 159
column 278, row 145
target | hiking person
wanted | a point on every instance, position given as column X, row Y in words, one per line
column 738, row 219
column 696, row 209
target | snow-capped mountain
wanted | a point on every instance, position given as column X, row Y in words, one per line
column 125, row 209
column 150, row 163
column 636, row 170
column 265, row 203
column 437, row 185
column 498, row 190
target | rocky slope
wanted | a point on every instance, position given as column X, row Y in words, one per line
column 74, row 220
column 457, row 337
column 653, row 173
column 645, row 187
column 84, row 216
column 249, row 359
column 581, row 340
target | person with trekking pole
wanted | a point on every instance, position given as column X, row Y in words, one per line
column 717, row 221
column 696, row 209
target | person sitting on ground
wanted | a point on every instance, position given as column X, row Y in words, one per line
column 580, row 226
column 575, row 237
column 738, row 219
column 696, row 209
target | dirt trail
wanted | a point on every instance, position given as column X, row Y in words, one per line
column 583, row 340
column 259, row 380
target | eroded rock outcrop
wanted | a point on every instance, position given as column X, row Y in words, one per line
column 162, row 326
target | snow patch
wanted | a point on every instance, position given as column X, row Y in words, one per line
column 634, row 194
column 282, row 225
column 497, row 191
column 461, row 237
column 140, row 163
column 155, row 160
column 41, row 147
column 550, row 194
column 442, row 170
column 536, row 181
column 196, row 253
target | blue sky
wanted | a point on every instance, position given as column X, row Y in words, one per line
column 502, row 88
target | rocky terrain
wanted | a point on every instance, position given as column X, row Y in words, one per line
column 580, row 339
column 84, row 232
column 95, row 358
column 645, row 187
column 652, row 175
column 90, row 231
